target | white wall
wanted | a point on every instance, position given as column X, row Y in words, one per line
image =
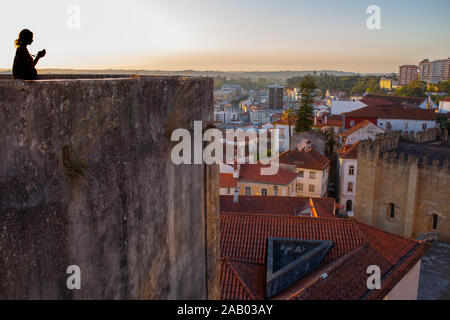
column 344, row 180
column 367, row 132
column 408, row 287
column 400, row 124
column 320, row 183
column 444, row 106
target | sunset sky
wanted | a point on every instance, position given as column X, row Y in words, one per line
column 229, row 35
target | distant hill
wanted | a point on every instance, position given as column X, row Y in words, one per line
column 231, row 74
column 278, row 75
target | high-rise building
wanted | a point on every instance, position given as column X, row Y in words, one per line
column 276, row 97
column 434, row 71
column 425, row 70
column 407, row 74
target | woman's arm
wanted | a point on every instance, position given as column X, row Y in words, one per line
column 40, row 55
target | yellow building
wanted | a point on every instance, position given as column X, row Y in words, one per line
column 253, row 183
column 386, row 83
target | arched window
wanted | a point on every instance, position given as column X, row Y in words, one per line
column 349, row 206
column 434, row 221
column 390, row 211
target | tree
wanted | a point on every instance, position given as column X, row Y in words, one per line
column 414, row 89
column 289, row 118
column 305, row 113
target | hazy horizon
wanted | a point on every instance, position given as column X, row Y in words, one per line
column 229, row 36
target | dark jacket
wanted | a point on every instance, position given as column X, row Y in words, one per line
column 23, row 67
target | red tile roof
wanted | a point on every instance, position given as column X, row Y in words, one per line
column 312, row 159
column 227, row 180
column 356, row 246
column 252, row 173
column 284, row 122
column 243, row 236
column 349, row 152
column 355, row 128
column 393, row 112
column 242, row 280
column 393, row 99
column 277, row 205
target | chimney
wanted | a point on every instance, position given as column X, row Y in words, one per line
column 308, row 146
column 235, row 169
column 236, row 196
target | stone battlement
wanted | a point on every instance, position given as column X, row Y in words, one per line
column 407, row 148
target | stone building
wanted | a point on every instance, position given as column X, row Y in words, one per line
column 403, row 183
column 86, row 179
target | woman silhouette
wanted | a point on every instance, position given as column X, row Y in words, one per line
column 24, row 65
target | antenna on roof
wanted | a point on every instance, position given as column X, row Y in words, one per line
column 236, row 195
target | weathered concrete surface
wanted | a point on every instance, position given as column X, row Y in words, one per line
column 86, row 179
column 434, row 283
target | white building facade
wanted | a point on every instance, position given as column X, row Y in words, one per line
column 406, row 124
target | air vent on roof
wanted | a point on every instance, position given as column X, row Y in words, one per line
column 290, row 260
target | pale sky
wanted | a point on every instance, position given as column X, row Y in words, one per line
column 229, row 35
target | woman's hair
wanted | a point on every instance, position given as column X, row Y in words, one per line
column 25, row 37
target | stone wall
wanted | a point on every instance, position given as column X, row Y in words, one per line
column 418, row 187
column 86, row 179
column 300, row 140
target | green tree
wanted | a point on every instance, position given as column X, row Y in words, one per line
column 289, row 118
column 305, row 113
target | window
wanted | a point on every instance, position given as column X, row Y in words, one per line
column 248, row 191
column 424, row 126
column 434, row 221
column 275, row 191
column 351, row 171
column 311, row 188
column 312, row 175
column 352, row 124
column 390, row 211
column 350, row 187
column 264, row 192
column 289, row 190
column 349, row 206
column 301, row 174
column 406, row 125
column 300, row 186
column 229, row 191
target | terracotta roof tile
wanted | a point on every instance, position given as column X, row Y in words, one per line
column 355, row 128
column 312, row 159
column 393, row 99
column 276, row 205
column 252, row 172
column 244, row 236
column 357, row 246
column 349, row 151
column 227, row 180
column 393, row 112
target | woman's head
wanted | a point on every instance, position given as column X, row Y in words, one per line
column 25, row 38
